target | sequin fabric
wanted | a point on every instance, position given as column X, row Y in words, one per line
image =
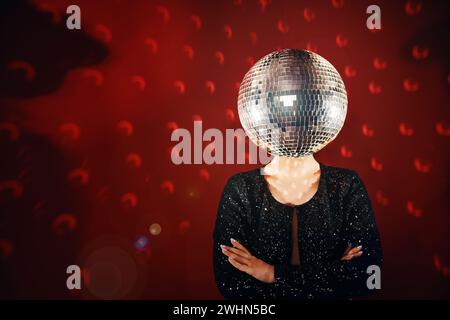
column 339, row 213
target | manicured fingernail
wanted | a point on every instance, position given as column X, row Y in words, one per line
column 233, row 240
column 223, row 247
column 360, row 247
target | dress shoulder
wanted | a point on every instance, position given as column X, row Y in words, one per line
column 340, row 173
column 246, row 184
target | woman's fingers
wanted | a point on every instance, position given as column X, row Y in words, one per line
column 347, row 257
column 348, row 249
column 350, row 256
column 237, row 251
column 351, row 253
column 237, row 244
column 354, row 255
column 238, row 265
column 355, row 250
column 230, row 254
column 238, row 256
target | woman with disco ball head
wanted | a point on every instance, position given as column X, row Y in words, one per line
column 296, row 228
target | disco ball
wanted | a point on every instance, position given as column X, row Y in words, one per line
column 292, row 102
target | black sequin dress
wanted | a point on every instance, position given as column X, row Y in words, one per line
column 339, row 213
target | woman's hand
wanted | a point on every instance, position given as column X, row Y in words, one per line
column 243, row 260
column 351, row 253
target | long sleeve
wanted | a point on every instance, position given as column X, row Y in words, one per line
column 338, row 278
column 231, row 222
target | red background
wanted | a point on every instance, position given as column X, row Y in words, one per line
column 86, row 118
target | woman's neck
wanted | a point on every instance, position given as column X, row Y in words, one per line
column 285, row 166
column 293, row 181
